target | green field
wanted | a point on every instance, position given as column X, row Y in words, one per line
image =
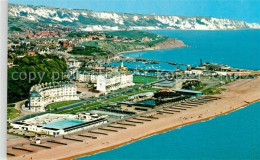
column 12, row 113
column 213, row 90
column 105, row 102
column 144, row 79
column 60, row 104
column 124, row 89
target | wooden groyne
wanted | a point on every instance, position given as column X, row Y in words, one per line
column 126, row 124
column 22, row 149
column 105, row 129
column 38, row 145
column 87, row 136
column 116, row 127
column 73, row 139
column 10, row 154
column 161, row 112
column 141, row 119
column 151, row 117
column 56, row 142
column 134, row 121
column 94, row 132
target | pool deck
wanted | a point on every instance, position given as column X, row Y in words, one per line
column 60, row 124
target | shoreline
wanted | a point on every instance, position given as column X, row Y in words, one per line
column 238, row 94
column 179, row 44
column 155, row 133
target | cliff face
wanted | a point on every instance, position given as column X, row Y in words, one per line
column 91, row 20
column 169, row 43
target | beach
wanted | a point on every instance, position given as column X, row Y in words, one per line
column 238, row 94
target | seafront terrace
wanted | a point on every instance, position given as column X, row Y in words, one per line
column 90, row 101
column 113, row 127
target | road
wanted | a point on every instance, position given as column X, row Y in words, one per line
column 84, row 102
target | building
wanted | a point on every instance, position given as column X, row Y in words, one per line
column 188, row 92
column 59, row 124
column 46, row 93
column 111, row 82
column 74, row 63
column 106, row 79
column 144, row 105
column 195, row 72
column 88, row 77
column 141, row 96
column 169, row 84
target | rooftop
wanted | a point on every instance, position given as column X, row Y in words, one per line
column 187, row 91
column 165, row 83
column 35, row 94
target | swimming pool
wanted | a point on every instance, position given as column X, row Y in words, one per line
column 64, row 123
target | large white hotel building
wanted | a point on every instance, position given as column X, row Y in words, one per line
column 111, row 82
column 46, row 93
column 106, row 82
column 107, row 79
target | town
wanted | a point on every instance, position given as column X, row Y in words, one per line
column 99, row 92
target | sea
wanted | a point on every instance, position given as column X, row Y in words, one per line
column 232, row 136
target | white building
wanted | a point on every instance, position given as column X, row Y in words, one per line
column 88, row 77
column 73, row 63
column 106, row 79
column 141, row 96
column 51, row 123
column 195, row 72
column 110, row 82
column 43, row 94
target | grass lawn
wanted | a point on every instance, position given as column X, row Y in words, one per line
column 144, row 79
column 124, row 89
column 12, row 113
column 213, row 90
column 105, row 102
column 60, row 104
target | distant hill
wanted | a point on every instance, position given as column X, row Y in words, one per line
column 92, row 20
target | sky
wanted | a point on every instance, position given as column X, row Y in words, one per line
column 247, row 10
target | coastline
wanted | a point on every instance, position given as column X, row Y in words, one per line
column 155, row 133
column 169, row 43
column 238, row 94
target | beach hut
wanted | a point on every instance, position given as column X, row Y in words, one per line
column 30, row 135
column 38, row 141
